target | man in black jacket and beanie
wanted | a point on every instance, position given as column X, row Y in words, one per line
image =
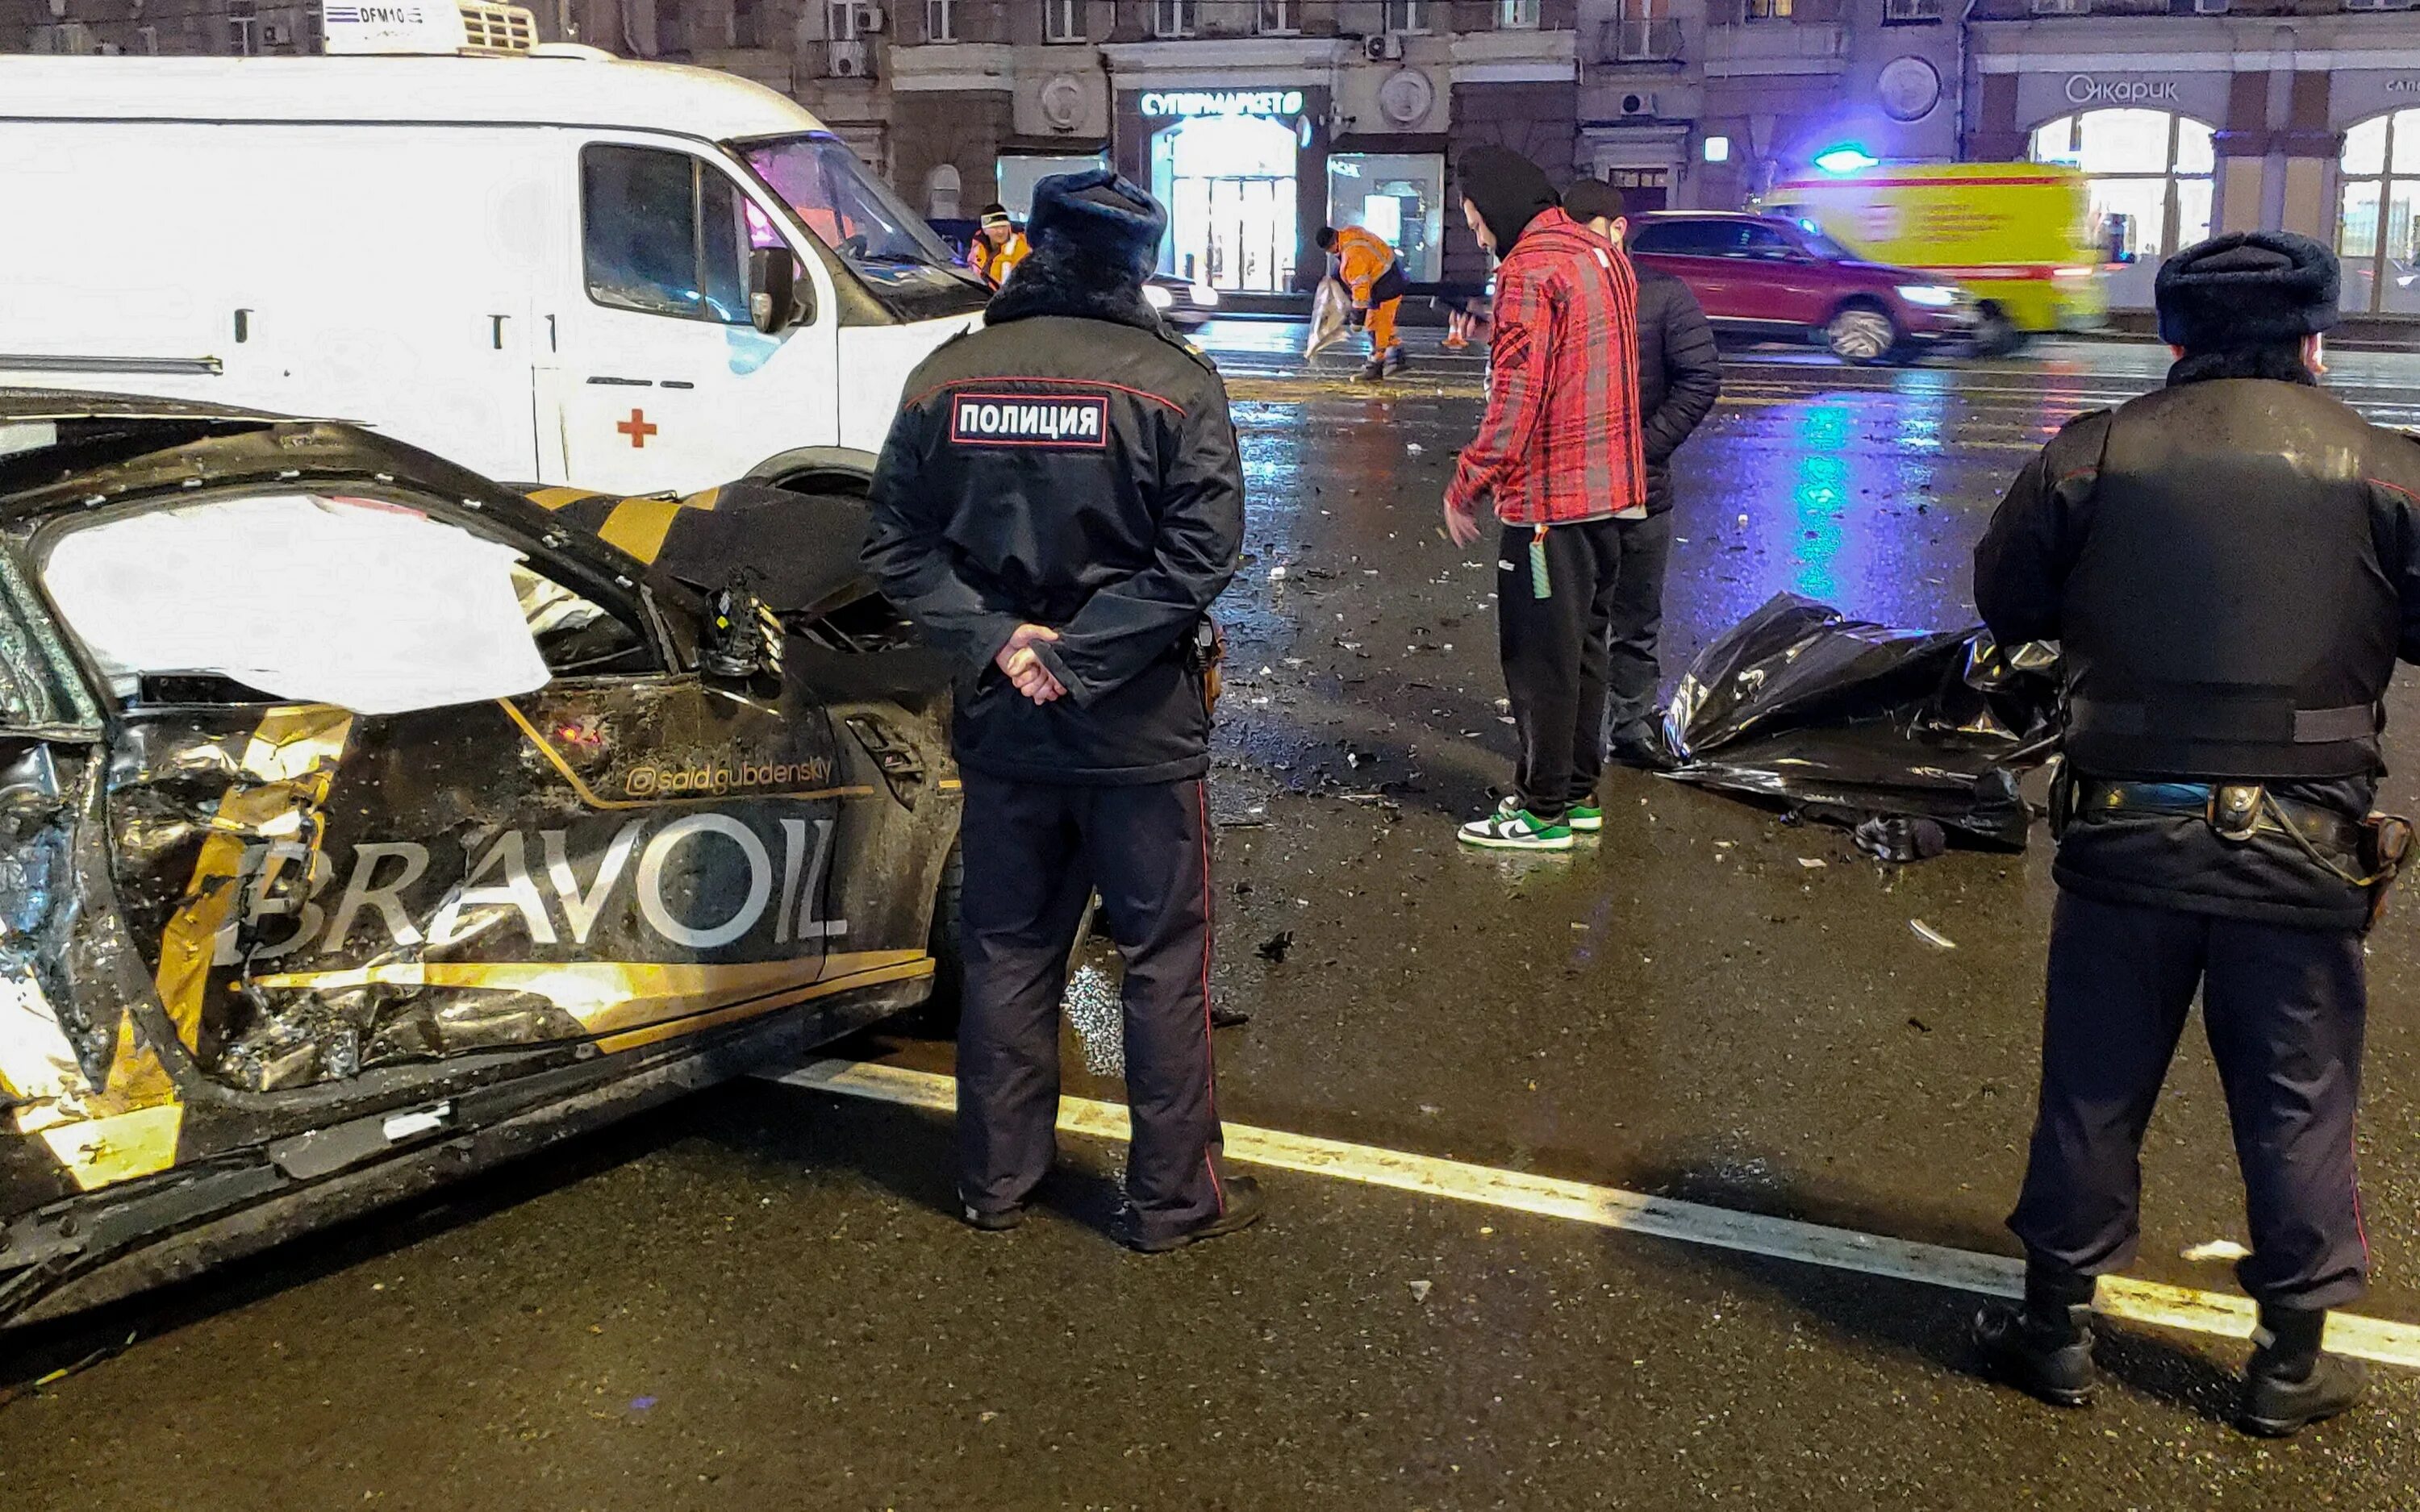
column 1680, row 377
column 1059, row 502
column 2231, row 566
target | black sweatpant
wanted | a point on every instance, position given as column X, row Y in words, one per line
column 2284, row 1009
column 1634, row 627
column 1033, row 853
column 1554, row 651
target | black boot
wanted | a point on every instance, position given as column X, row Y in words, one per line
column 1245, row 1207
column 2044, row 1346
column 2289, row 1384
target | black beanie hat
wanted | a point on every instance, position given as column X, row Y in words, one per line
column 1508, row 190
column 2246, row 289
column 1589, row 199
column 1097, row 217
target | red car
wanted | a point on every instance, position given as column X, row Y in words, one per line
column 1767, row 278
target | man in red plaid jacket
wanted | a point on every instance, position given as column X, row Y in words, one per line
column 1561, row 453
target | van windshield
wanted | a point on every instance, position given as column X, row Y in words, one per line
column 851, row 212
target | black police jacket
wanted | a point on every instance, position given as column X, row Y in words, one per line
column 1069, row 465
column 2231, row 568
column 1679, row 376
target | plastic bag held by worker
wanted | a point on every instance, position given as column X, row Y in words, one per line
column 1331, row 309
column 1845, row 721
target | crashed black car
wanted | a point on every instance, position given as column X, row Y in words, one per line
column 364, row 822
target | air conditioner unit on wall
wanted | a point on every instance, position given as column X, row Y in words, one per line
column 1638, row 102
column 2381, row 5
column 1384, row 48
column 869, row 20
column 2210, row 8
column 849, row 61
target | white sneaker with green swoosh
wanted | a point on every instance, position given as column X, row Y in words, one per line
column 1516, row 830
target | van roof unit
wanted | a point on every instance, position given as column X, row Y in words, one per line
column 422, row 28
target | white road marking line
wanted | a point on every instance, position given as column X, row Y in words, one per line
column 1604, row 1206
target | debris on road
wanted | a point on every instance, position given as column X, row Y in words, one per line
column 1929, row 935
column 1273, row 949
column 1421, row 1290
column 1898, row 838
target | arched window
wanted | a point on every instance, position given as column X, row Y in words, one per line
column 2150, row 172
column 942, row 193
column 2377, row 223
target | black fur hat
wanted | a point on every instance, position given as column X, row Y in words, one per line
column 1099, row 217
column 2246, row 289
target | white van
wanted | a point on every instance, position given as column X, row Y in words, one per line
column 546, row 264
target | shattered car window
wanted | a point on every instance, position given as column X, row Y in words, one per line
column 38, row 682
column 354, row 602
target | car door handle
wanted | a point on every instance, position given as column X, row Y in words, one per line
column 621, row 382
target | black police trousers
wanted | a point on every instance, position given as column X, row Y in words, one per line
column 1034, row 853
column 2282, row 1007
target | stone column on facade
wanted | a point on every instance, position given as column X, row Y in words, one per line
column 2309, row 151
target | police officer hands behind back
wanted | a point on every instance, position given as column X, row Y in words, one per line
column 2231, row 566
column 1059, row 502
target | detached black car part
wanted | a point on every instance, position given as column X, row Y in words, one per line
column 1844, row 720
column 269, row 956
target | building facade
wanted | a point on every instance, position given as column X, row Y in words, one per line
column 1705, row 104
column 1256, row 121
column 1259, row 120
column 2301, row 118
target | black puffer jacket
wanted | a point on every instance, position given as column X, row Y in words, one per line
column 2231, row 534
column 1068, row 465
column 1680, row 374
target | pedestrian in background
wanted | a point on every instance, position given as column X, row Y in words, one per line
column 2231, row 566
column 1560, row 456
column 1000, row 246
column 1060, row 500
column 1680, row 377
column 1366, row 265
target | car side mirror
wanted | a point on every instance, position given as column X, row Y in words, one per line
column 772, row 289
column 743, row 637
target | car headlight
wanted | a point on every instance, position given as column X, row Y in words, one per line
column 1932, row 296
column 1204, row 294
column 1158, row 298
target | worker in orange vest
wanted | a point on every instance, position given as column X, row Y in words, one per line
column 1369, row 269
column 1000, row 246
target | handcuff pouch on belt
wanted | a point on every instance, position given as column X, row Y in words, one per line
column 2062, row 797
column 1207, row 652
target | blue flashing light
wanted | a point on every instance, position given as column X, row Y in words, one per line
column 1845, row 159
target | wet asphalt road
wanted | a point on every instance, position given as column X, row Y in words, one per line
column 759, row 1297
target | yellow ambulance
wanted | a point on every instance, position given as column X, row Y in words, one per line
column 2016, row 234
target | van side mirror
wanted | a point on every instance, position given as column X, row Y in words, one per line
column 772, row 289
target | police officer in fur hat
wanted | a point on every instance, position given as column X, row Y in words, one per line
column 1059, row 500
column 2231, row 566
